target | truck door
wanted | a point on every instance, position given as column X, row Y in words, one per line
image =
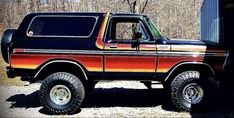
column 129, row 51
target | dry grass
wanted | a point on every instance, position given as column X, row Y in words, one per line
column 174, row 18
column 2, row 28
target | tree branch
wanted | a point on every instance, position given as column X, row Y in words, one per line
column 134, row 7
column 131, row 5
column 145, row 4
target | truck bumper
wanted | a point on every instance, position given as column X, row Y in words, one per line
column 10, row 72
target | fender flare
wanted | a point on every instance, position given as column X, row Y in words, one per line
column 61, row 61
column 187, row 63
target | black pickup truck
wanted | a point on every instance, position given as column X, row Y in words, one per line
column 70, row 52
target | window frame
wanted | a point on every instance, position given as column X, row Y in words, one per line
column 161, row 37
column 141, row 25
column 140, row 18
column 58, row 36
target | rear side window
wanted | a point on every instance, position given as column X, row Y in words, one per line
column 65, row 26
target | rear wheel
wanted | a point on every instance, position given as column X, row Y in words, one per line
column 188, row 90
column 61, row 93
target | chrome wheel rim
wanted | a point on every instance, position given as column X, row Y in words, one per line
column 60, row 95
column 193, row 93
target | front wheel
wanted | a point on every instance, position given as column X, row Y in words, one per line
column 188, row 91
column 61, row 93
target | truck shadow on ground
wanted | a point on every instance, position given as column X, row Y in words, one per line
column 24, row 101
column 122, row 97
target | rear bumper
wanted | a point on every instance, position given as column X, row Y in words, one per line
column 10, row 72
column 13, row 72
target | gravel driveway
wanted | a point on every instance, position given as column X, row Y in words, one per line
column 109, row 99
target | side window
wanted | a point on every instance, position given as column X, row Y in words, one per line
column 62, row 26
column 126, row 30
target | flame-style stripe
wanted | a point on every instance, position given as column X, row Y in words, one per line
column 197, row 48
column 166, row 63
column 33, row 61
column 130, row 64
column 129, row 70
column 142, row 47
column 99, row 42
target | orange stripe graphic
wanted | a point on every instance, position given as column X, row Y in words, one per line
column 99, row 42
column 166, row 63
column 33, row 61
column 130, row 64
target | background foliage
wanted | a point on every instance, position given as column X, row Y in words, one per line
column 174, row 18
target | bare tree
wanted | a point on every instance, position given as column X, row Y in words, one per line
column 134, row 5
column 176, row 19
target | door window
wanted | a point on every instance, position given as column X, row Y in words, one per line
column 127, row 30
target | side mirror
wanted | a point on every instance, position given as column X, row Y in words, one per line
column 138, row 35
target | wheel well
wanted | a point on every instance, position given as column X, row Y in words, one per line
column 61, row 66
column 204, row 69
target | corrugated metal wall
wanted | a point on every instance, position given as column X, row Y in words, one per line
column 209, row 21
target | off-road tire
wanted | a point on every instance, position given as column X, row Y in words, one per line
column 65, row 79
column 179, row 85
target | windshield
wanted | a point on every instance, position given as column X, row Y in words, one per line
column 153, row 29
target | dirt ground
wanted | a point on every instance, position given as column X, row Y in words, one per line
column 111, row 99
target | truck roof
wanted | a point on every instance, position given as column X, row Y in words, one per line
column 85, row 13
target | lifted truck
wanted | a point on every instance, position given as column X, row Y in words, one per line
column 70, row 52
